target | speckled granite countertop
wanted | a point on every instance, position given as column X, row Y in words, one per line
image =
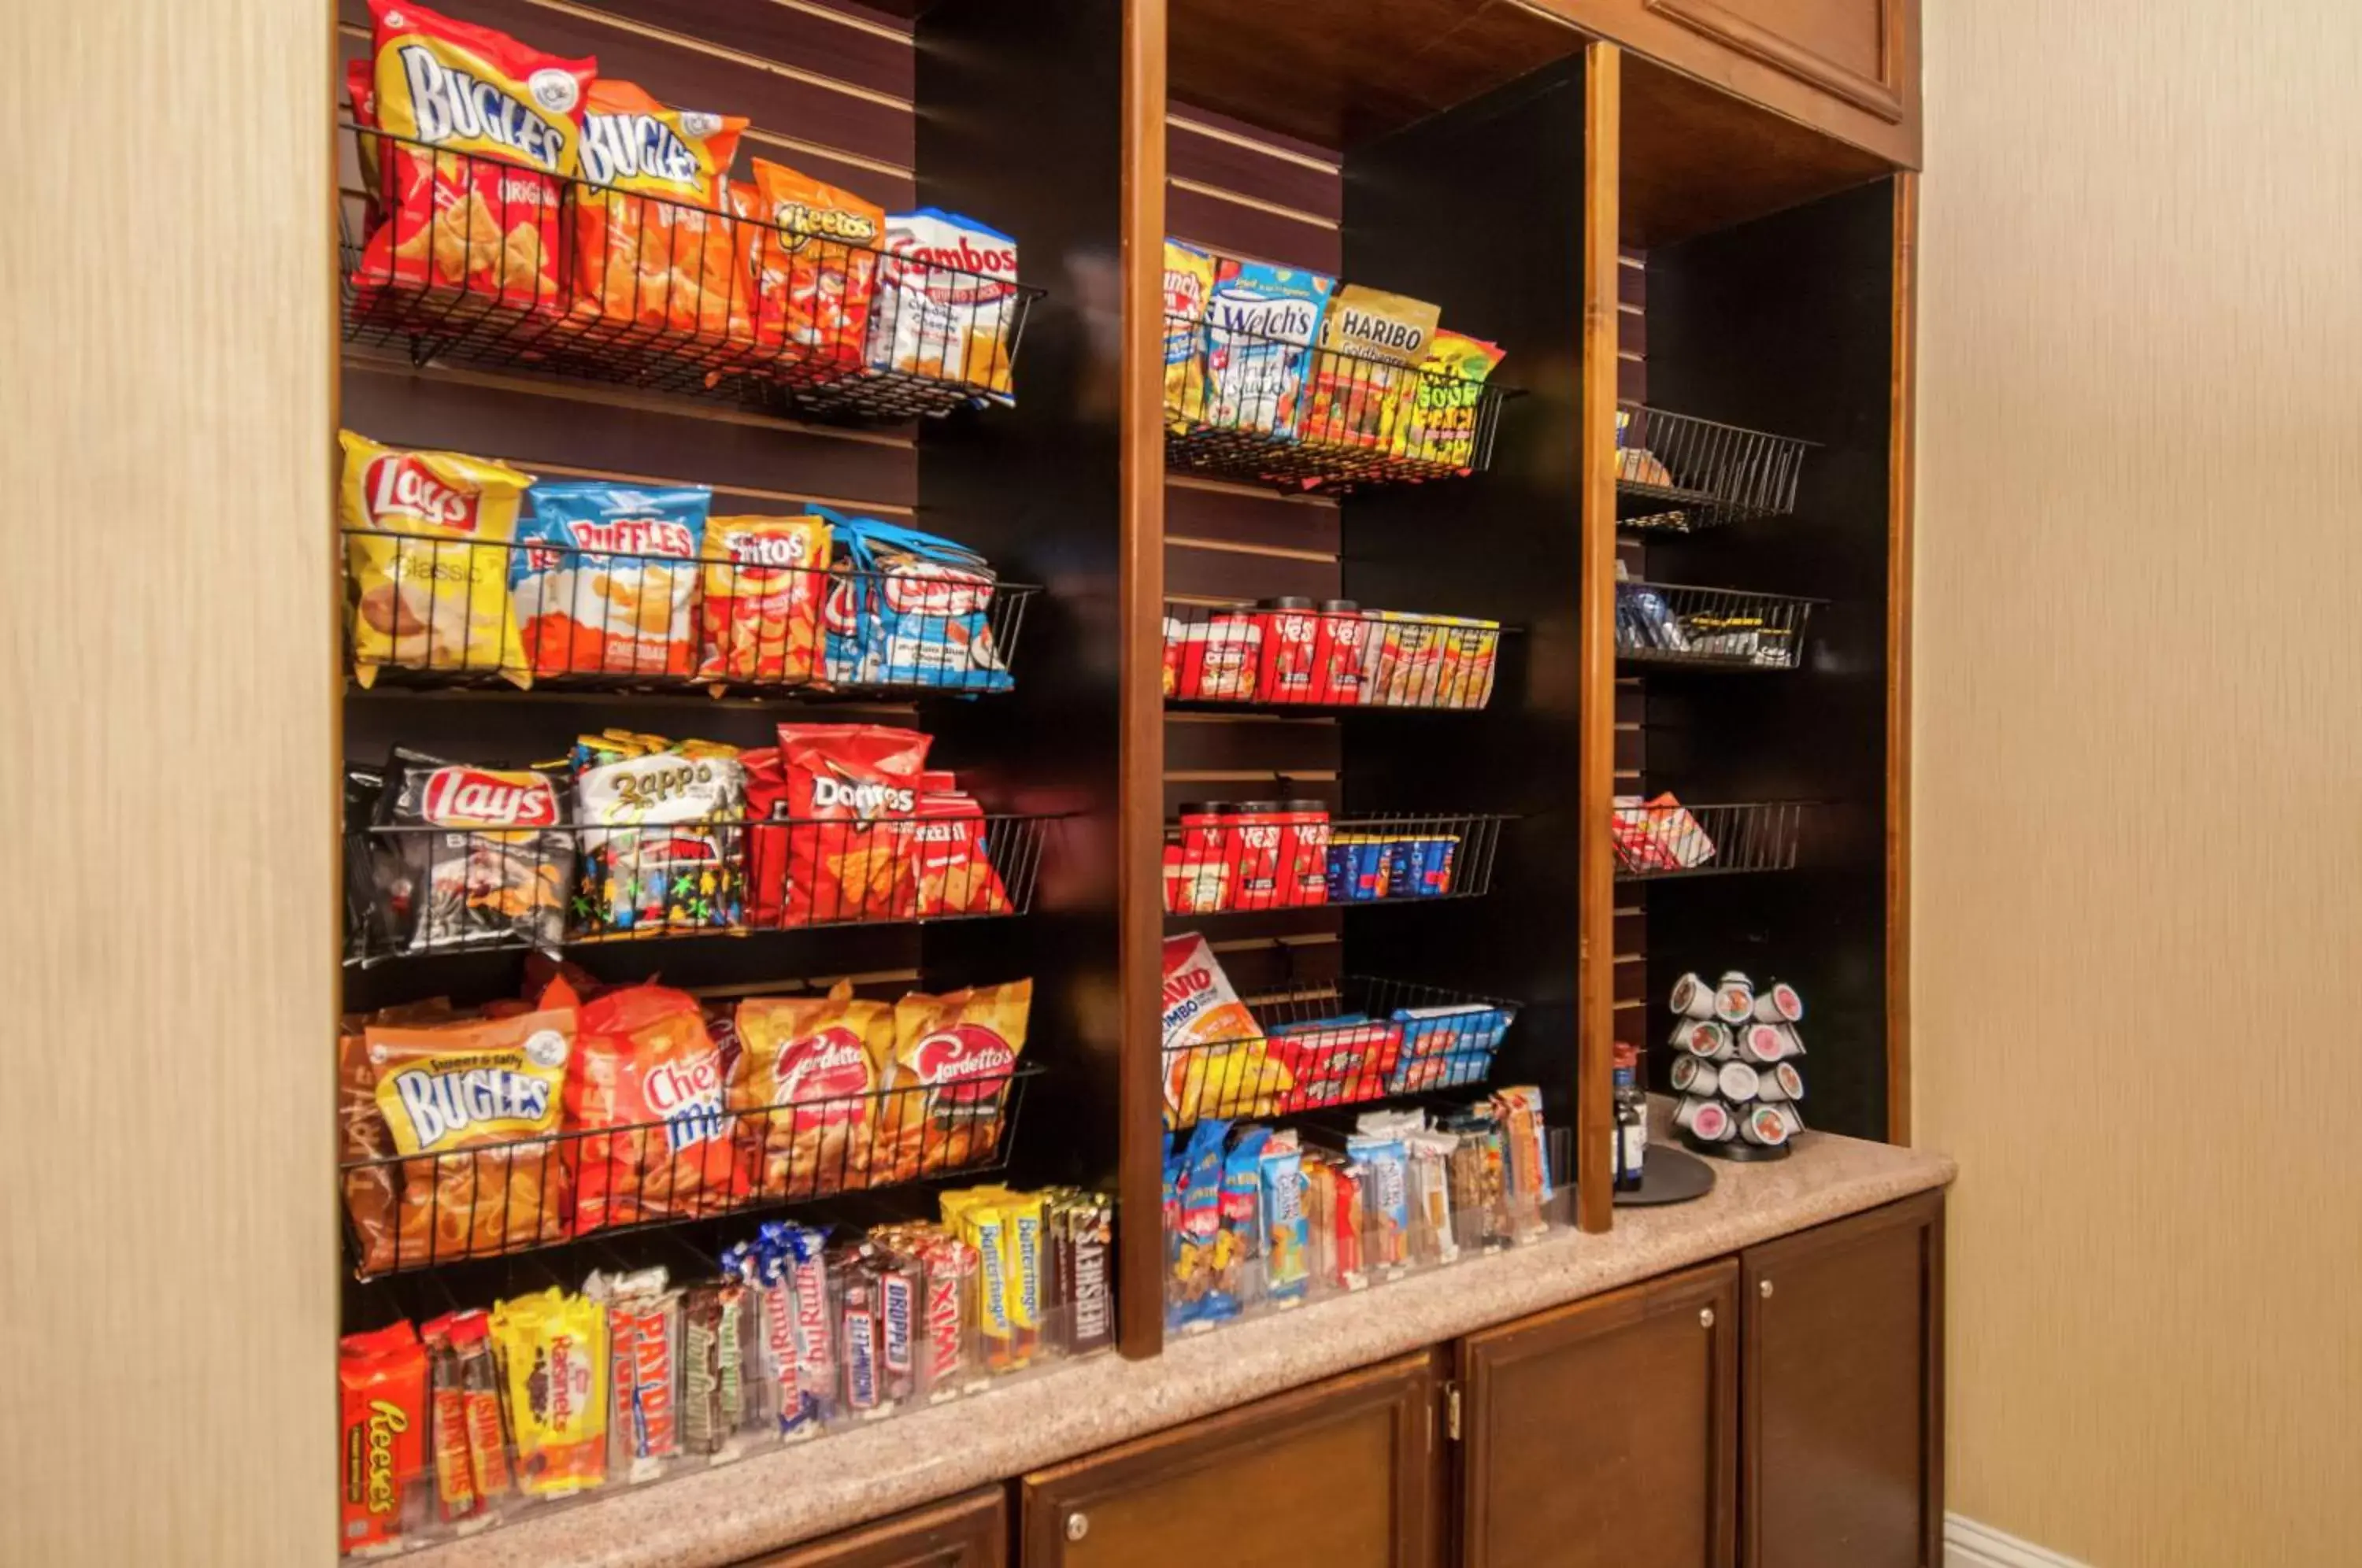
column 758, row 1504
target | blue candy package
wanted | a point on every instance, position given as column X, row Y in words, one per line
column 1261, row 322
column 1287, row 1232
column 906, row 608
column 1419, row 867
column 604, row 578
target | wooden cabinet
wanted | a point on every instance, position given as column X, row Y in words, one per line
column 1341, row 1474
column 1605, row 1433
column 968, row 1531
column 1841, row 1393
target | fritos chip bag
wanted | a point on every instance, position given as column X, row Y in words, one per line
column 1216, row 1061
column 959, row 1049
column 457, row 1096
column 1441, row 426
column 646, row 1085
column 759, row 619
column 815, row 268
column 824, row 1057
column 946, row 301
column 661, row 845
column 1261, row 321
column 553, row 1357
column 480, row 132
column 1188, row 280
column 653, row 248
column 382, row 1377
column 1365, row 379
column 426, row 551
column 606, row 583
column 847, row 796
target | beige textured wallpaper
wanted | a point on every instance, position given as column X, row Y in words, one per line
column 2139, row 830
column 167, row 1293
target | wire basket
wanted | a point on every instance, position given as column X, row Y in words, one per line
column 1665, row 838
column 1291, row 659
column 1224, row 861
column 1359, row 1041
column 1269, row 411
column 413, row 1211
column 428, row 611
column 496, row 265
column 1677, row 474
column 1721, row 628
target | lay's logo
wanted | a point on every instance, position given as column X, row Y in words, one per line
column 474, row 798
column 399, row 485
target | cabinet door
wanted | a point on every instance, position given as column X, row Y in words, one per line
column 1339, row 1474
column 1605, row 1433
column 968, row 1531
column 1843, row 1393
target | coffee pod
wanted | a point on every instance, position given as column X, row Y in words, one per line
column 1686, row 1114
column 1693, row 997
column 1711, row 1122
column 1733, row 998
column 1762, row 1043
column 1737, row 1081
column 1780, row 1004
column 1792, row 1116
column 1780, row 1083
column 1795, row 1038
column 1764, row 1124
column 1704, row 1038
column 1690, row 1073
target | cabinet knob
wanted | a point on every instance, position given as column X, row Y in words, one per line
column 1706, row 1317
column 1764, row 1289
column 1078, row 1525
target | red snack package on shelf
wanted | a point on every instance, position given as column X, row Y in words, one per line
column 1303, row 853
column 955, row 1056
column 643, row 1058
column 1256, row 837
column 1341, row 654
column 470, row 217
column 1290, row 636
column 851, row 792
column 952, row 874
column 655, row 253
column 382, row 1377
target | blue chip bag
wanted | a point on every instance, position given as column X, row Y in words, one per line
column 1199, row 1292
column 1261, row 322
column 604, row 581
column 907, row 609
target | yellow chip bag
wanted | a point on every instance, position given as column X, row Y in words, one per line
column 427, row 542
column 1216, row 1062
column 1364, row 379
column 552, row 1349
column 1189, row 280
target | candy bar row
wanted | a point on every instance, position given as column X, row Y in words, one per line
column 452, row 1425
column 459, row 568
column 1258, row 856
column 1288, row 652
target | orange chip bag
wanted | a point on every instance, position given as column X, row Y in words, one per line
column 960, row 1048
column 758, row 618
column 480, row 131
column 647, row 1087
column 824, row 1057
column 815, row 269
column 652, row 246
column 480, row 1099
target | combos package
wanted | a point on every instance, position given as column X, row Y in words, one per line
column 947, row 304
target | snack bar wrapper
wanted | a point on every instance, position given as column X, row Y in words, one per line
column 426, row 548
column 1286, row 1229
column 947, row 304
column 646, row 1086
column 906, row 608
column 1441, row 427
column 382, row 1380
column 661, row 848
column 1261, row 322
column 713, row 1370
column 804, row 1087
column 1188, row 283
column 606, row 581
column 759, row 615
column 1216, row 1059
column 954, row 1055
column 815, row 269
column 655, row 259
column 1203, row 1284
column 1366, row 378
column 554, row 1366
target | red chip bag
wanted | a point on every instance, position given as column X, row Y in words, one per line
column 382, row 1377
column 644, row 1061
column 483, row 226
column 951, row 872
column 815, row 269
column 850, row 794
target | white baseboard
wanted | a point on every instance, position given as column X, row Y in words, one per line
column 1968, row 1544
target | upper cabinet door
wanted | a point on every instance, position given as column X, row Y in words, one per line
column 1339, row 1475
column 966, row 1531
column 1605, row 1434
column 1843, row 1393
column 1850, row 49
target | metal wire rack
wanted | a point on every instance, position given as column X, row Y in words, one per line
column 1361, row 1039
column 1723, row 628
column 452, row 256
column 1266, row 410
column 1227, row 860
column 1293, row 658
column 1678, row 474
column 434, row 611
column 1662, row 837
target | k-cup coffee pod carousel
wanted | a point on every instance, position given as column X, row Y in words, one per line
column 1737, row 1047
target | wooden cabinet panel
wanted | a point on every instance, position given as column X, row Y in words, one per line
column 968, row 1531
column 1605, row 1433
column 1841, row 1393
column 1341, row 1474
column 1847, row 49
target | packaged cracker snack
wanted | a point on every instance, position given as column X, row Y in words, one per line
column 909, row 609
column 1285, row 1233
column 606, row 583
column 1261, row 321
column 1445, row 1047
column 947, row 304
column 426, row 537
column 759, row 619
column 1519, row 1109
column 1188, row 281
column 647, row 1084
column 662, row 849
column 1334, row 1061
column 815, row 269
column 654, row 254
column 1441, row 427
column 804, row 1084
column 1365, row 377
column 479, row 1102
column 842, row 798
column 1385, row 1177
column 382, row 1378
column 1243, row 1204
column 1467, row 651
column 475, row 856
column 960, row 1049
column 479, row 134
column 1215, row 1058
column 553, row 1359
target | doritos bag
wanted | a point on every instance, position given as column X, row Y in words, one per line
column 479, row 1101
column 607, row 581
column 954, row 1055
column 644, row 1066
column 759, row 619
column 479, row 133
column 849, row 794
column 909, row 609
column 653, row 248
column 803, row 1087
column 815, row 261
column 427, row 549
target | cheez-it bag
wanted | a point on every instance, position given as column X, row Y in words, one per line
column 815, row 271
column 653, row 248
column 480, row 132
column 647, row 1089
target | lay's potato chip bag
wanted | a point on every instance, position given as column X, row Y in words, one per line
column 653, row 248
column 426, row 544
column 815, row 271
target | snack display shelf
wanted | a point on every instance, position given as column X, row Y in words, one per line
column 1673, row 623
column 485, row 882
column 1663, row 838
column 1678, row 474
column 1266, row 410
column 1295, row 658
column 1229, row 861
column 556, row 275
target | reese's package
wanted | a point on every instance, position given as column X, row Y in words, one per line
column 606, row 581
column 428, row 539
column 654, row 250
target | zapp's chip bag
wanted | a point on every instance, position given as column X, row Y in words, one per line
column 606, row 581
column 1441, row 427
column 759, row 619
column 804, row 1087
column 653, row 249
column 646, row 1085
column 552, row 1349
column 848, row 795
column 662, row 849
column 815, row 272
column 1216, row 1062
column 458, row 1096
column 426, row 547
column 1364, row 379
column 479, row 132
column 1188, row 280
column 382, row 1377
column 952, row 1057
